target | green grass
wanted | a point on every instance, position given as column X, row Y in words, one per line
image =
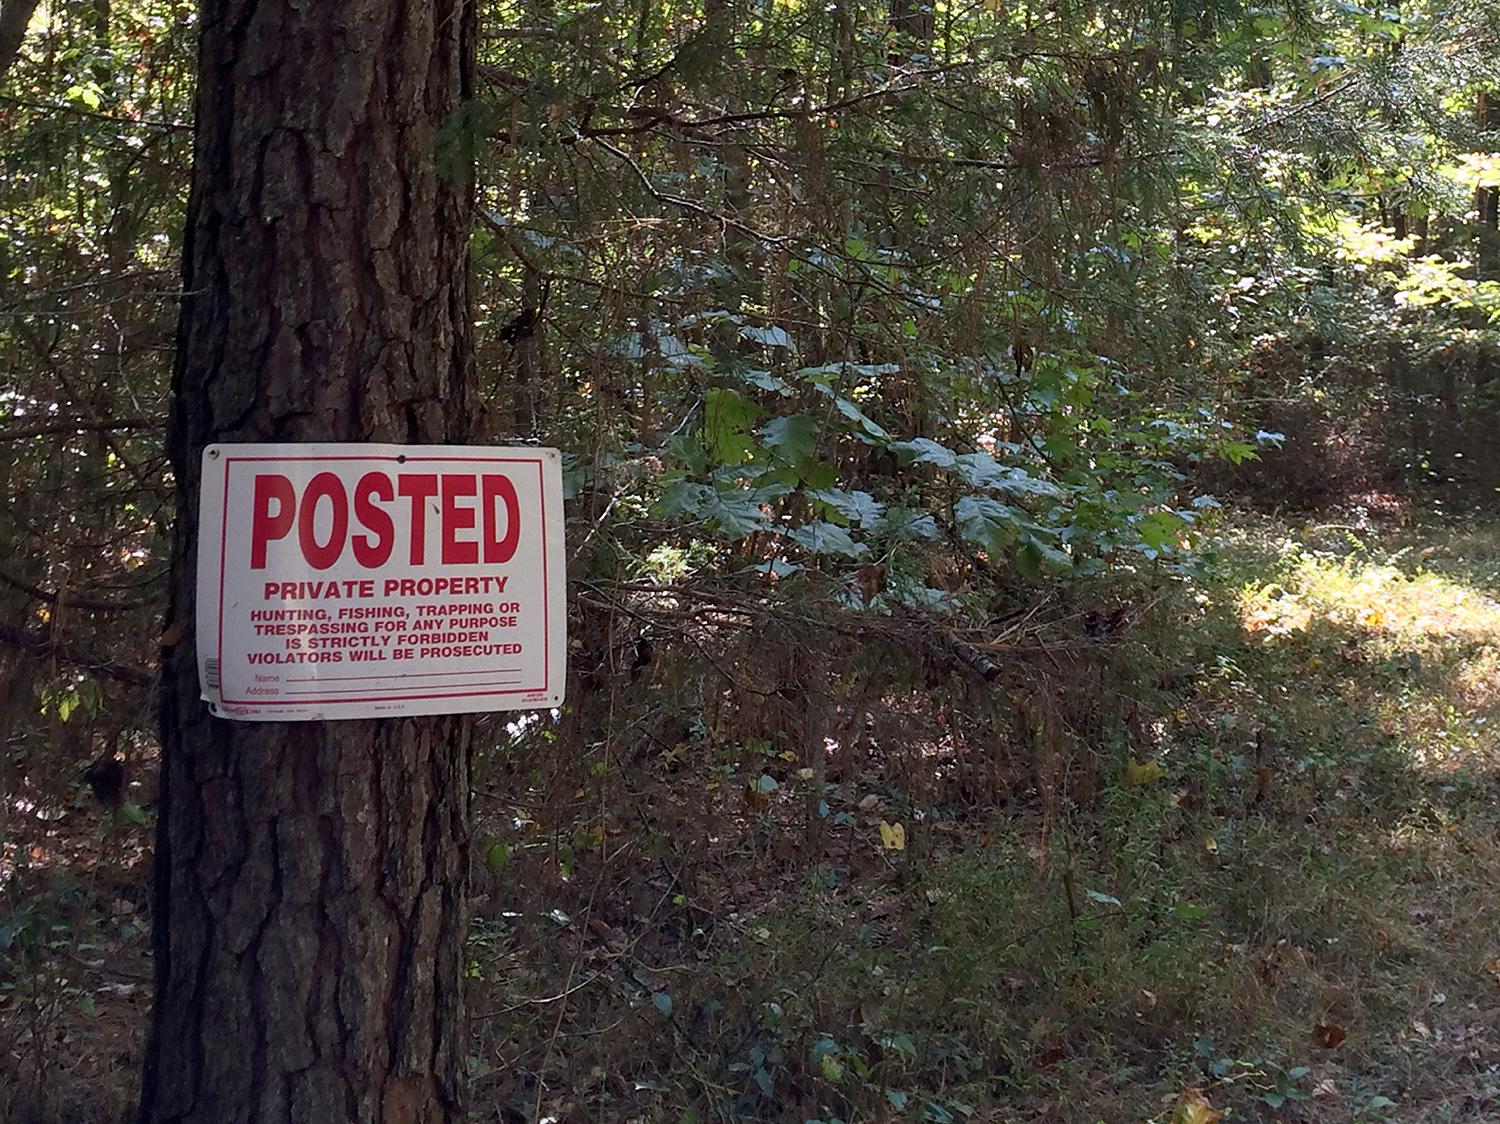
column 1292, row 910
column 1167, row 875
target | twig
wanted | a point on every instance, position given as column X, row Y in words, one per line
column 44, row 648
column 65, row 600
column 79, row 425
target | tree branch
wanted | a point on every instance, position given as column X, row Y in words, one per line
column 79, row 425
column 43, row 647
column 67, row 600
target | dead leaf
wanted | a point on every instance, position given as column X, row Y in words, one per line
column 1048, row 1055
column 1194, row 1108
column 892, row 836
column 174, row 633
column 1329, row 1035
column 869, row 580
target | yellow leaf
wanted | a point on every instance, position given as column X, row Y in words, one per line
column 1142, row 772
column 892, row 836
column 1193, row 1108
column 1210, row 844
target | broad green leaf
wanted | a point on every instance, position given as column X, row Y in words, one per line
column 771, row 337
column 764, row 380
column 855, row 414
column 1049, row 559
column 857, row 507
column 727, row 418
column 732, row 510
column 986, row 522
column 1159, row 530
column 792, row 438
column 980, row 470
column 924, row 450
column 904, row 523
column 827, row 538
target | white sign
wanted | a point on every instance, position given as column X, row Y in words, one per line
column 367, row 581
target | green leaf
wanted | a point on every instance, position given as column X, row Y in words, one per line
column 88, row 95
column 1101, row 898
column 727, row 418
column 827, row 538
column 980, row 470
column 900, row 1043
column 987, row 522
column 1159, row 529
column 857, row 507
column 924, row 450
column 855, row 414
column 732, row 510
column 905, row 523
column 663, row 1002
column 1190, row 912
column 498, row 854
column 1047, row 558
column 764, row 380
column 792, row 438
column 771, row 337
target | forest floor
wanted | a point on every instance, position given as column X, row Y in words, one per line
column 1277, row 903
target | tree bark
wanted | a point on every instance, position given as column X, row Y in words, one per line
column 15, row 17
column 311, row 878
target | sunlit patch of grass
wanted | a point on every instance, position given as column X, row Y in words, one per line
column 1379, row 598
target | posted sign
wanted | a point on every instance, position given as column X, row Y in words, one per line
column 367, row 581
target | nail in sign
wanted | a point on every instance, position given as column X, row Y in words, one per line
column 369, row 581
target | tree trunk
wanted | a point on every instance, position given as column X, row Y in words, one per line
column 311, row 878
column 15, row 17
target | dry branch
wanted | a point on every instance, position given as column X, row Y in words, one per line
column 43, row 647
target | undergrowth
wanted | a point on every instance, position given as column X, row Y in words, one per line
column 1263, row 887
column 1213, row 842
